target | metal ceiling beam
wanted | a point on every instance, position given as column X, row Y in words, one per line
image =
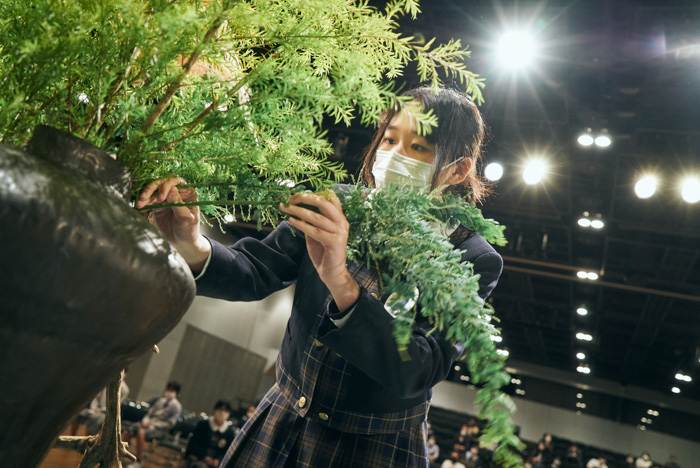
column 608, row 387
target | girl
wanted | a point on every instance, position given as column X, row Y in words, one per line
column 344, row 397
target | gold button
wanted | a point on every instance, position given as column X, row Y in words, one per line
column 323, row 416
column 301, row 402
column 318, row 343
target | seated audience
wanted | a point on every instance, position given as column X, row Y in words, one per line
column 159, row 420
column 210, row 439
column 473, row 428
column 597, row 463
column 629, row 461
column 474, row 460
column 573, row 458
column 453, row 462
column 672, row 462
column 433, row 449
column 94, row 415
column 545, row 454
column 644, row 461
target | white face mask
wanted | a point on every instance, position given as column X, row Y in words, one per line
column 393, row 168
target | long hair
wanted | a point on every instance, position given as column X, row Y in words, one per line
column 459, row 134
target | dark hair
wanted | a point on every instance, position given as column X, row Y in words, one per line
column 459, row 134
column 173, row 386
column 223, row 404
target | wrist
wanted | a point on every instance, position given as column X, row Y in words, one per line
column 195, row 253
column 345, row 291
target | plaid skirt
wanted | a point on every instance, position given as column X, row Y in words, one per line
column 276, row 436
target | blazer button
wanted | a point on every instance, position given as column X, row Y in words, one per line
column 301, row 402
column 323, row 416
column 318, row 343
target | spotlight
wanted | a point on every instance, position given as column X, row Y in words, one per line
column 642, row 427
column 585, row 140
column 690, row 189
column 534, row 171
column 584, row 336
column 520, row 391
column 676, row 390
column 584, row 222
column 503, row 352
column 515, row 381
column 645, row 187
column 496, row 338
column 516, row 50
column 684, row 378
column 579, row 395
column 457, row 367
column 493, row 172
column 584, row 369
column 592, row 276
column 580, row 356
column 582, row 311
column 582, row 274
column 603, row 141
column 597, row 224
column 228, row 217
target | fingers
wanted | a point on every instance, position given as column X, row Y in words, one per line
column 327, row 203
column 158, row 191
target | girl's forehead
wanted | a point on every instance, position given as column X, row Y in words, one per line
column 404, row 121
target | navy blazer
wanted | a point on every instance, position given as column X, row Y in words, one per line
column 376, row 379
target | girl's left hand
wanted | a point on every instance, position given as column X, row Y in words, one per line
column 326, row 241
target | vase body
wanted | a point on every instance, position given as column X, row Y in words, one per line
column 86, row 286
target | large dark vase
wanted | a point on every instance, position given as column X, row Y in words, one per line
column 86, row 286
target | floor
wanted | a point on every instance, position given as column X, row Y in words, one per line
column 154, row 456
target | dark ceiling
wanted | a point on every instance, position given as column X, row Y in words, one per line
column 632, row 68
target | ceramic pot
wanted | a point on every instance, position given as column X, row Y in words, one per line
column 86, row 286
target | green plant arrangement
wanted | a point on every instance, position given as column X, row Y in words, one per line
column 230, row 95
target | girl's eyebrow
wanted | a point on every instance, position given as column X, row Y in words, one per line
column 395, row 128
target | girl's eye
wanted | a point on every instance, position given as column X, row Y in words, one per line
column 388, row 140
column 417, row 147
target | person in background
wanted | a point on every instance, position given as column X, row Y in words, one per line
column 455, row 461
column 94, row 415
column 599, row 462
column 573, row 458
column 433, row 449
column 629, row 461
column 672, row 462
column 161, row 417
column 210, row 438
column 644, row 461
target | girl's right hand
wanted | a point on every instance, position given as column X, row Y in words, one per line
column 180, row 224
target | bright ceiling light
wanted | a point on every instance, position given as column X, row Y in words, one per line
column 597, row 224
column 503, row 352
column 641, row 427
column 683, row 377
column 580, row 356
column 603, row 141
column 493, row 172
column 496, row 338
column 592, row 276
column 676, row 390
column 582, row 311
column 651, row 412
column 582, row 274
column 690, row 189
column 515, row 381
column 516, row 49
column 584, row 222
column 520, row 391
column 228, row 217
column 645, row 187
column 579, row 395
column 584, row 336
column 584, row 369
column 585, row 140
column 534, row 171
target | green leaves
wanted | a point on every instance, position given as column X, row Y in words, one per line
column 394, row 228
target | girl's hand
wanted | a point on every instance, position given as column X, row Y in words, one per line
column 326, row 241
column 180, row 224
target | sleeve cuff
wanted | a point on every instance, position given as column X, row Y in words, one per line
column 206, row 264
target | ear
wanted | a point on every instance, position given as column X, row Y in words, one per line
column 456, row 173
